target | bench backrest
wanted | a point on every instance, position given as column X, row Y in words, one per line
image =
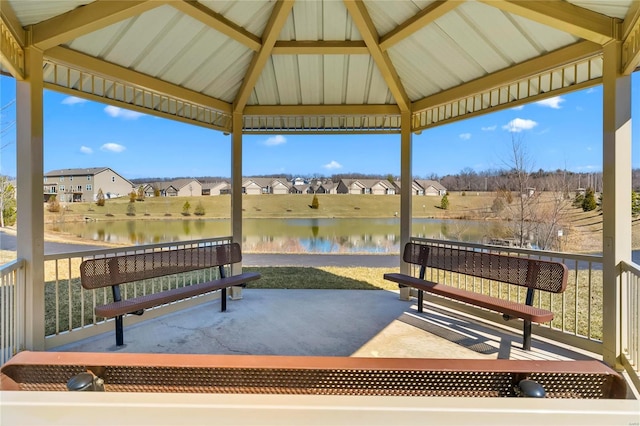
column 532, row 273
column 109, row 271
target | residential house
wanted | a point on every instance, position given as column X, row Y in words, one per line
column 214, row 188
column 416, row 189
column 186, row 187
column 327, row 188
column 74, row 185
column 432, row 187
column 301, row 189
column 257, row 186
column 366, row 186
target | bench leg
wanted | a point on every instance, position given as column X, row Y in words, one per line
column 223, row 300
column 526, row 336
column 119, row 331
column 420, row 300
column 405, row 292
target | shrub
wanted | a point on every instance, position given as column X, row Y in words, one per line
column 131, row 209
column 140, row 195
column 100, row 198
column 132, row 196
column 199, row 210
column 53, row 205
column 186, row 207
column 498, row 205
column 315, row 204
column 577, row 202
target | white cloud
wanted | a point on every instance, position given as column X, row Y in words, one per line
column 519, row 124
column 489, row 128
column 551, row 102
column 465, row 136
column 333, row 165
column 112, row 147
column 72, row 100
column 116, row 112
column 86, row 150
column 518, row 108
column 275, row 140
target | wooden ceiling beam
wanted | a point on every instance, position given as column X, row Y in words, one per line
column 563, row 16
column 417, row 22
column 555, row 59
column 320, row 48
column 363, row 22
column 320, row 110
column 278, row 17
column 85, row 19
column 100, row 67
column 218, row 22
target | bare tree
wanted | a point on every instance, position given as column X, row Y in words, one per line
column 535, row 203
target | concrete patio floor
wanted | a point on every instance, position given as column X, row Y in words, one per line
column 363, row 323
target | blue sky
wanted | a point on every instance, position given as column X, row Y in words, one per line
column 559, row 133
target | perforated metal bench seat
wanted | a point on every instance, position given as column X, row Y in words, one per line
column 513, row 309
column 148, row 301
column 255, row 374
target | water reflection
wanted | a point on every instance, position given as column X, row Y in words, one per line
column 280, row 235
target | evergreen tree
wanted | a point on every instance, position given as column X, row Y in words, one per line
column 186, row 209
column 315, row 204
column 589, row 202
column 444, row 203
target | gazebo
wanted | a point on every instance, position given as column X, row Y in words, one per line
column 325, row 67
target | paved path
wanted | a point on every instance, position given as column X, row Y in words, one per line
column 9, row 242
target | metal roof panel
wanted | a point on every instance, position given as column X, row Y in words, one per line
column 33, row 12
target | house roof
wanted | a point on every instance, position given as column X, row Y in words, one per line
column 76, row 172
column 427, row 183
column 319, row 65
column 181, row 183
column 211, row 185
column 263, row 182
column 369, row 183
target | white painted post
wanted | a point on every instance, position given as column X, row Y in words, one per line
column 406, row 179
column 30, row 195
column 616, row 204
column 235, row 293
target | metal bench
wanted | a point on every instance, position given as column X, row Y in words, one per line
column 530, row 273
column 308, row 375
column 113, row 271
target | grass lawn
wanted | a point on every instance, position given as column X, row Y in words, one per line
column 279, row 206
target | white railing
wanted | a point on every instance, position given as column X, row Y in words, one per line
column 577, row 311
column 12, row 309
column 69, row 309
column 630, row 320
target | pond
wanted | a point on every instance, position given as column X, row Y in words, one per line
column 280, row 235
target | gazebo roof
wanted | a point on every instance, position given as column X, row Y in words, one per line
column 319, row 65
